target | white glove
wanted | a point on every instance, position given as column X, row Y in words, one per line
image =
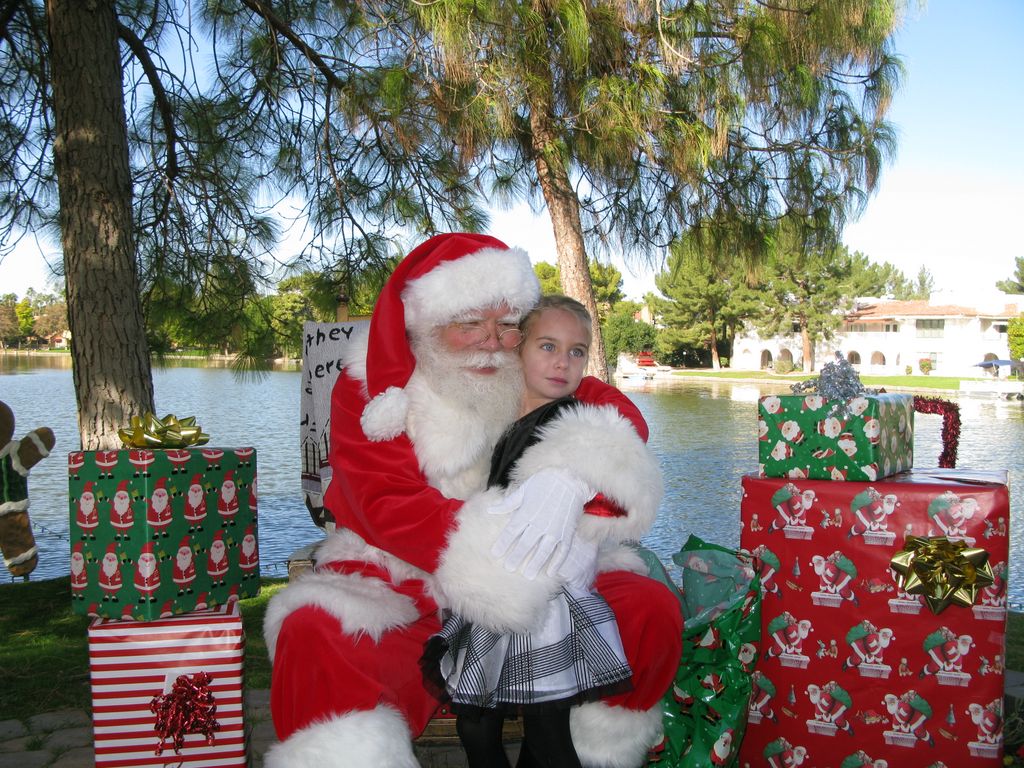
column 580, row 565
column 545, row 510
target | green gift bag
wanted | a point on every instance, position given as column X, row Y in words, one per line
column 705, row 712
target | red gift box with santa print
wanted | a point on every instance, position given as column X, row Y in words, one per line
column 158, row 533
column 132, row 662
column 853, row 669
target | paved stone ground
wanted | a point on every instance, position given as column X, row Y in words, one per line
column 64, row 739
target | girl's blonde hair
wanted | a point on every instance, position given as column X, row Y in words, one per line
column 557, row 301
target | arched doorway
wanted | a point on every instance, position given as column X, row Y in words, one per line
column 877, row 358
column 785, row 356
column 853, row 358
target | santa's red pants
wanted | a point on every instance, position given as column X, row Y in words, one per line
column 321, row 672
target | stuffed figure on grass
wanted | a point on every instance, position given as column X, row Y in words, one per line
column 17, row 457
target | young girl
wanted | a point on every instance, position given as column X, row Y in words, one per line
column 574, row 653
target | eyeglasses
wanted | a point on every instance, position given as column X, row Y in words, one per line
column 473, row 334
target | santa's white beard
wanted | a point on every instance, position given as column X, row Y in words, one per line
column 493, row 396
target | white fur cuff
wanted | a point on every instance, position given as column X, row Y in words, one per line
column 475, row 584
column 614, row 737
column 361, row 605
column 379, row 737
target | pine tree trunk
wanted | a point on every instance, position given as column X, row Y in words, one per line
column 808, row 348
column 112, row 375
column 716, row 363
column 563, row 207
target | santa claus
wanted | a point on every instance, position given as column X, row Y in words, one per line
column 227, row 499
column 141, row 459
column 147, row 574
column 415, row 414
column 106, row 463
column 217, row 560
column 76, row 460
column 87, row 516
column 184, row 566
column 79, row 576
column 110, row 574
column 195, row 504
column 122, row 518
column 158, row 510
column 249, row 554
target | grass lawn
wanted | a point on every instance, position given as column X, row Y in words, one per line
column 45, row 659
column 890, row 382
column 44, row 652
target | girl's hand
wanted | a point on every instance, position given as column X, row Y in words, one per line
column 540, row 531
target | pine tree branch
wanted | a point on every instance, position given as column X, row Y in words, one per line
column 6, row 14
column 138, row 48
column 283, row 28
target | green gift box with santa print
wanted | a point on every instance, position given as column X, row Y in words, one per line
column 158, row 533
column 863, row 438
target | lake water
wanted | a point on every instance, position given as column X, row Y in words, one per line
column 704, row 434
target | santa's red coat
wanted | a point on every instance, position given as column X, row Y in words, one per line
column 398, row 535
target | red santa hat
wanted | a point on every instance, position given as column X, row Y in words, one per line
column 218, row 536
column 112, row 548
column 87, row 488
column 441, row 279
column 229, row 476
column 248, row 530
column 161, row 484
column 126, row 614
column 123, row 486
column 197, row 479
column 147, row 548
column 185, row 543
column 77, row 548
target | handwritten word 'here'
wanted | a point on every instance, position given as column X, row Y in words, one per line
column 330, row 368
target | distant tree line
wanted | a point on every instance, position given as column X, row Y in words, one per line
column 32, row 319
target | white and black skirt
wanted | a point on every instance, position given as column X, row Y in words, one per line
column 575, row 655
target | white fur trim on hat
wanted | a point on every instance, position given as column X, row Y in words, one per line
column 485, row 278
column 614, row 737
column 384, row 417
column 378, row 737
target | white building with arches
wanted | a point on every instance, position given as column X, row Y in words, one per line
column 884, row 337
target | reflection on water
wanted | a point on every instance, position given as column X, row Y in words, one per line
column 704, row 433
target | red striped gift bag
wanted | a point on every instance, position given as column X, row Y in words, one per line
column 131, row 662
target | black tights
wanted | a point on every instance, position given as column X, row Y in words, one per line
column 547, row 742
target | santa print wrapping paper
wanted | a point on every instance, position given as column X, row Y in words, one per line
column 157, row 533
column 130, row 662
column 853, row 670
column 864, row 438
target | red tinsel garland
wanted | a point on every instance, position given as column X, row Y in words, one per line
column 188, row 708
column 950, row 412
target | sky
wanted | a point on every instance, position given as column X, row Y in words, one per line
column 951, row 200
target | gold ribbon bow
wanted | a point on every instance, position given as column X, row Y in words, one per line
column 148, row 431
column 941, row 570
